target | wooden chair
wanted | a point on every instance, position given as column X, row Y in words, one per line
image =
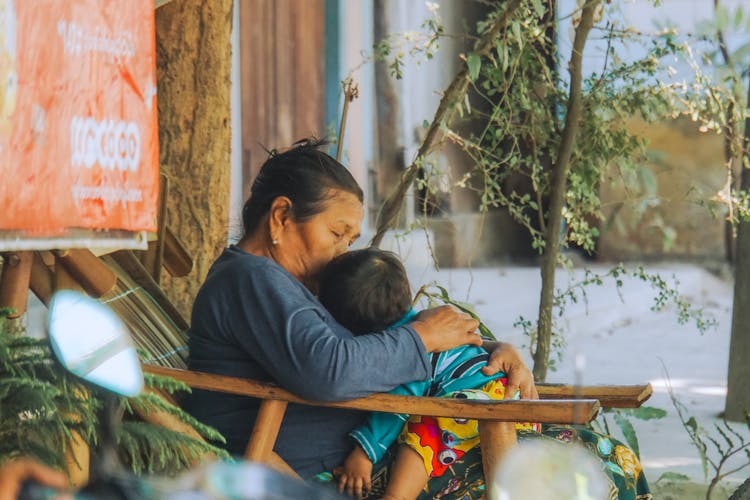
column 497, row 418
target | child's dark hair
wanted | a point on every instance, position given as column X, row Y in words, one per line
column 365, row 290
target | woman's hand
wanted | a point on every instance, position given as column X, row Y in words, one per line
column 506, row 358
column 445, row 327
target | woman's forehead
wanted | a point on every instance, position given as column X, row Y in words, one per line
column 344, row 207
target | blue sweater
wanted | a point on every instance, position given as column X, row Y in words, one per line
column 253, row 319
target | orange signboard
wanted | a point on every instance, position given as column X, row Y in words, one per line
column 78, row 123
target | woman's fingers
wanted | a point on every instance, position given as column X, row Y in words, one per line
column 506, row 358
column 445, row 327
column 520, row 379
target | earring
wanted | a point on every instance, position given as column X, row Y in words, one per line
column 274, row 242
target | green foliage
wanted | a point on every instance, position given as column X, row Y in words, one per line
column 673, row 476
column 666, row 294
column 516, row 114
column 623, row 418
column 714, row 448
column 520, row 101
column 42, row 406
column 394, row 49
column 441, row 297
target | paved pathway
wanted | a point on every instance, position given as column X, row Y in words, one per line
column 618, row 339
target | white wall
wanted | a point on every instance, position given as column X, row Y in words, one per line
column 235, row 177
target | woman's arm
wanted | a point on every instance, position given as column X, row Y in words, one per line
column 287, row 332
column 506, row 358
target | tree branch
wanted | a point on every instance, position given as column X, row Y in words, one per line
column 455, row 91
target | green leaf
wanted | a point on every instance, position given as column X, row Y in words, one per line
column 648, row 179
column 516, row 29
column 538, row 7
column 722, row 18
column 629, row 432
column 474, row 62
column 673, row 476
column 646, row 413
column 739, row 16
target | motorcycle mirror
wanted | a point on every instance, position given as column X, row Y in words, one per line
column 92, row 342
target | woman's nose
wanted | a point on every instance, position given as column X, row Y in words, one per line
column 340, row 248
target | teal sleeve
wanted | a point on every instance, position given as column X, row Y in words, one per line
column 460, row 369
column 381, row 430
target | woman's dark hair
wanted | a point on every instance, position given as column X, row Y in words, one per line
column 365, row 290
column 304, row 174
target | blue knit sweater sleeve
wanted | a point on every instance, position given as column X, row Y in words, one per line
column 253, row 304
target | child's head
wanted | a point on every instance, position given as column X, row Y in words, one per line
column 365, row 290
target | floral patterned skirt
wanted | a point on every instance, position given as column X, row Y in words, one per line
column 465, row 479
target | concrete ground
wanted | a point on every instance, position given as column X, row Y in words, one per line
column 615, row 338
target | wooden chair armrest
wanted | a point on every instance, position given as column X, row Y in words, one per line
column 610, row 396
column 560, row 411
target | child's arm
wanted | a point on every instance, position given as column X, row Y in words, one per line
column 354, row 476
column 381, row 430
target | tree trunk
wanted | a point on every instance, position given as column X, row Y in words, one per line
column 738, row 389
column 193, row 54
column 557, row 194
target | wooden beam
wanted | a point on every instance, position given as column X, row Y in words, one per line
column 610, row 396
column 561, row 411
column 42, row 281
column 91, row 273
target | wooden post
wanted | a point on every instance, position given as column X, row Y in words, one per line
column 265, row 431
column 496, row 438
column 14, row 282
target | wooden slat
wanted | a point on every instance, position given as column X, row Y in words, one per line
column 177, row 260
column 610, row 396
column 308, row 53
column 282, row 89
column 559, row 411
column 133, row 267
column 282, row 73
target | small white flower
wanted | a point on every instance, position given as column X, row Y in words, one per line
column 432, row 7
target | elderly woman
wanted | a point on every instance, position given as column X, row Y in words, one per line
column 257, row 316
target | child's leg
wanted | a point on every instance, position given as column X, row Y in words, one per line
column 408, row 476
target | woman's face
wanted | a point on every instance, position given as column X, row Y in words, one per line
column 304, row 248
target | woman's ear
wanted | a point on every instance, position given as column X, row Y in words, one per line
column 279, row 215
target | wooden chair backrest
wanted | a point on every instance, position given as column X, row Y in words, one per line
column 497, row 418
